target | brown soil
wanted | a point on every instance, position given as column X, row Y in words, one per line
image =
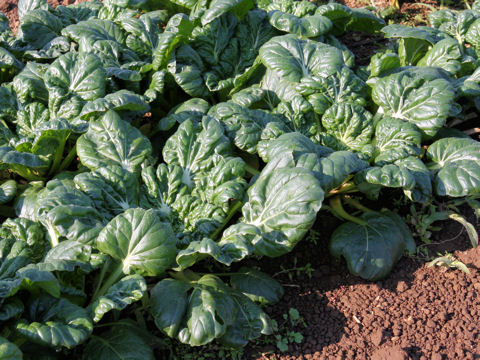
column 412, row 12
column 9, row 8
column 416, row 313
column 364, row 46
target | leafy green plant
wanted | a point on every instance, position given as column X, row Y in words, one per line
column 146, row 146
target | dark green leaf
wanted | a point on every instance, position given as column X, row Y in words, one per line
column 257, row 285
column 372, row 249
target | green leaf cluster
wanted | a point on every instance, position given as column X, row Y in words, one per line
column 146, row 146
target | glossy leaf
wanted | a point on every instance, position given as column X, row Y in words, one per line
column 424, row 103
column 55, row 322
column 304, row 27
column 112, row 141
column 346, row 127
column 456, row 163
column 138, row 239
column 8, row 189
column 293, row 58
column 257, row 285
column 373, row 248
column 206, row 309
column 125, row 292
column 279, row 211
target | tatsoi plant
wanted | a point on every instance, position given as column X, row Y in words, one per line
column 147, row 146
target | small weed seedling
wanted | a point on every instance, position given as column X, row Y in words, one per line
column 422, row 219
column 296, row 270
column 449, row 261
column 286, row 334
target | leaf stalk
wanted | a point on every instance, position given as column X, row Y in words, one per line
column 337, row 208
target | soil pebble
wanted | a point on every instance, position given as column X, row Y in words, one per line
column 390, row 353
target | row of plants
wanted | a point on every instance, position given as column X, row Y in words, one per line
column 149, row 146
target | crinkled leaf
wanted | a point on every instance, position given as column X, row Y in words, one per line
column 425, row 103
column 29, row 84
column 244, row 126
column 472, row 34
column 67, row 256
column 24, row 6
column 32, row 280
column 28, row 166
column 55, row 323
column 191, row 109
column 296, row 150
column 25, row 201
column 204, row 310
column 38, row 27
column 304, row 27
column 365, row 21
column 199, row 183
column 340, row 15
column 382, row 63
column 8, row 189
column 293, row 142
column 237, row 62
column 31, row 117
column 192, row 147
column 456, row 163
column 125, row 292
column 9, row 65
column 10, row 308
column 112, row 188
column 51, row 50
column 9, row 103
column 67, row 212
column 342, row 87
column 346, row 127
column 395, row 139
column 282, row 206
column 249, row 323
column 120, row 101
column 87, row 33
column 112, row 141
column 74, row 74
column 187, row 68
column 218, row 7
column 388, row 175
column 397, row 31
column 422, row 192
column 445, row 54
column 337, row 167
column 226, row 253
column 293, row 58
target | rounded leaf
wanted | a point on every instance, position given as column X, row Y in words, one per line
column 139, row 240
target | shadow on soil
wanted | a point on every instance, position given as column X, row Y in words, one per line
column 314, row 282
